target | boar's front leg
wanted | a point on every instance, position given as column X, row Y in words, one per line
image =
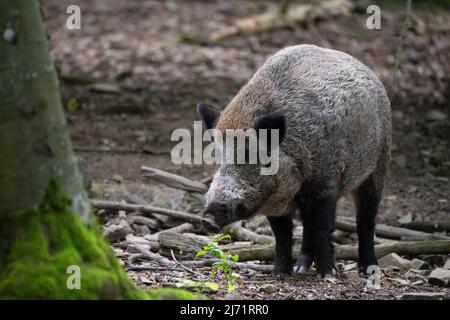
column 282, row 229
column 323, row 218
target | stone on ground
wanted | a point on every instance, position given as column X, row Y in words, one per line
column 440, row 277
column 447, row 265
column 393, row 260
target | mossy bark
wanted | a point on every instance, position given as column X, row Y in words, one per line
column 44, row 242
column 46, row 224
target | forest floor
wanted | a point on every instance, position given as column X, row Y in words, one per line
column 136, row 70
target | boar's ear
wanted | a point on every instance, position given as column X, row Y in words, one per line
column 271, row 121
column 208, row 114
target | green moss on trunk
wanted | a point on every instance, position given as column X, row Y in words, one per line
column 39, row 246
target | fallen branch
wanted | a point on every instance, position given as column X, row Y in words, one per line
column 174, row 180
column 389, row 232
column 114, row 205
column 131, row 240
column 184, row 246
column 412, row 248
column 146, row 267
column 428, row 226
column 265, row 268
column 189, row 246
column 155, row 257
column 240, row 233
column 184, row 227
column 275, row 19
column 207, row 180
column 137, row 219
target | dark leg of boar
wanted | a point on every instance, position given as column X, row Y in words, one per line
column 306, row 257
column 367, row 198
column 323, row 218
column 282, row 229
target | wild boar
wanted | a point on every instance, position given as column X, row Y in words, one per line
column 334, row 120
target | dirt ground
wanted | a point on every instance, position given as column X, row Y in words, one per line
column 136, row 70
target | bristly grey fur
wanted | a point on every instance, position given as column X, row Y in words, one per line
column 338, row 124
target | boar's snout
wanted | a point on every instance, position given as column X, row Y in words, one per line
column 215, row 216
column 210, row 225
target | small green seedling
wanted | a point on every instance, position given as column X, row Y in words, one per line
column 72, row 105
column 225, row 262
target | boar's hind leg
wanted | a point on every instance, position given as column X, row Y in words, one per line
column 323, row 218
column 367, row 198
column 306, row 257
column 282, row 229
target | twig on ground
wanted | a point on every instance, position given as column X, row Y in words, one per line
column 154, row 257
column 182, row 228
column 147, row 267
column 174, row 180
column 104, row 204
column 207, row 180
column 389, row 232
column 184, row 267
column 243, row 234
column 428, row 226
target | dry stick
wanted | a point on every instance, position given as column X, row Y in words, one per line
column 182, row 228
column 186, row 247
column 240, row 233
column 410, row 248
column 389, row 232
column 149, row 268
column 114, row 205
column 136, row 219
column 207, row 180
column 266, row 268
column 139, row 256
column 174, row 180
column 155, row 257
column 428, row 226
column 185, row 268
column 131, row 240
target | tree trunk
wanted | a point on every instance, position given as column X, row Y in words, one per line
column 33, row 129
column 46, row 226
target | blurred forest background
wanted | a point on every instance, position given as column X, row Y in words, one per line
column 136, row 69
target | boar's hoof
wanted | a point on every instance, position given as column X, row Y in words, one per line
column 281, row 270
column 327, row 277
column 304, row 263
column 210, row 225
column 301, row 269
